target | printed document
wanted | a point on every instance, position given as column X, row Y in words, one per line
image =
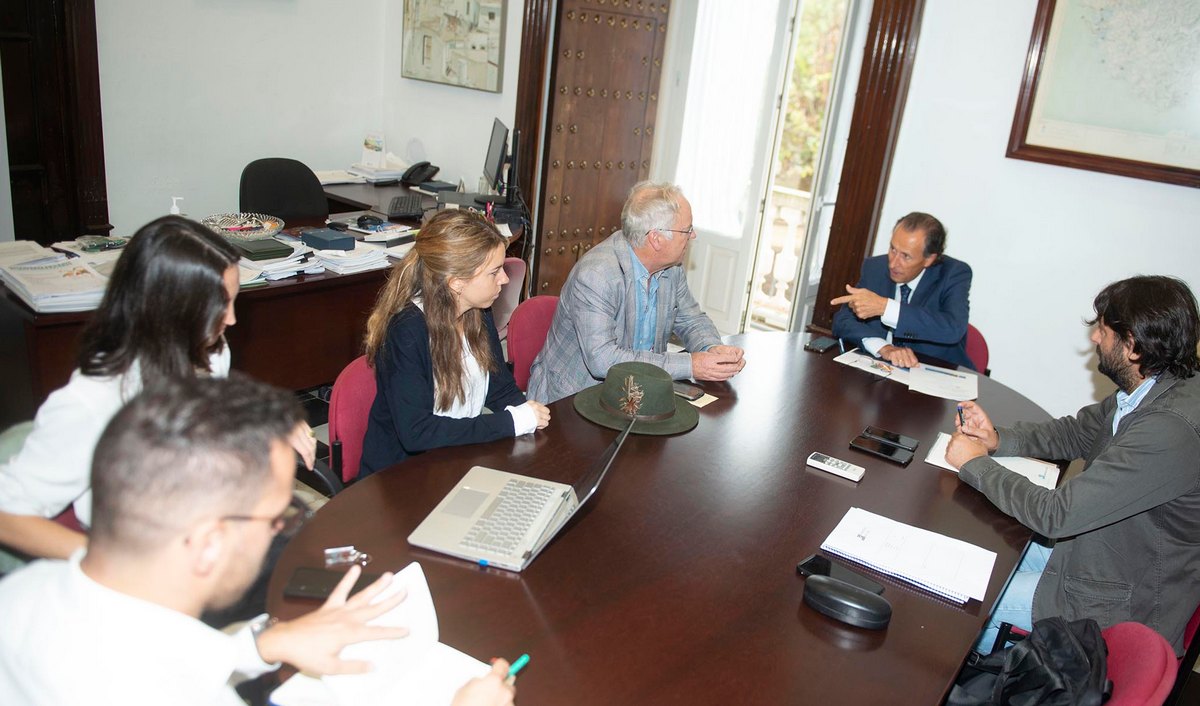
column 944, row 565
column 873, row 365
column 1036, row 471
column 412, row 670
column 943, row 382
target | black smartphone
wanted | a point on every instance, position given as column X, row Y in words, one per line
column 882, row 449
column 317, row 584
column 820, row 344
column 892, row 438
column 817, row 565
column 686, row 391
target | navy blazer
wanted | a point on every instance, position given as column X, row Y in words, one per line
column 402, row 421
column 934, row 322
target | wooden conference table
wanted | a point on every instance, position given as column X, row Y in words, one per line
column 677, row 583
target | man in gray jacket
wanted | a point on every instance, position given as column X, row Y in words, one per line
column 1125, row 533
column 625, row 298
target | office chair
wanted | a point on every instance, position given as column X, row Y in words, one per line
column 349, row 407
column 1191, row 650
column 527, row 331
column 977, row 350
column 278, row 186
column 510, row 294
column 1141, row 665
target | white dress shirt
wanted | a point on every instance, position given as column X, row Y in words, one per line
column 53, row 468
column 68, row 641
column 891, row 316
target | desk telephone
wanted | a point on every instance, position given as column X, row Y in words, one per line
column 419, row 172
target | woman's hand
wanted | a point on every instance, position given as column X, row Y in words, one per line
column 541, row 411
column 304, row 441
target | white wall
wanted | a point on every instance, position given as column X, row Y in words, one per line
column 1042, row 239
column 192, row 91
column 448, row 125
column 6, row 212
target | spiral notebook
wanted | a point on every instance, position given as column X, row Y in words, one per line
column 943, row 565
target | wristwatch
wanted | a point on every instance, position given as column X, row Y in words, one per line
column 260, row 625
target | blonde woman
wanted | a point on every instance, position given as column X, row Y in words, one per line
column 435, row 350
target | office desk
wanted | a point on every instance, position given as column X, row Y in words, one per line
column 677, row 583
column 368, row 197
column 344, row 198
column 295, row 333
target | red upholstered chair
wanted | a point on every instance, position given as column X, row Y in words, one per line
column 527, row 331
column 977, row 349
column 1191, row 650
column 510, row 294
column 349, row 405
column 1141, row 665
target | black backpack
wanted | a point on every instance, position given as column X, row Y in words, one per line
column 1060, row 663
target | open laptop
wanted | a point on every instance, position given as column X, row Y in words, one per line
column 504, row 519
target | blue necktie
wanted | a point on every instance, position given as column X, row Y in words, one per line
column 905, row 290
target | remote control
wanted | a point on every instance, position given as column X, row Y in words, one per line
column 836, row 466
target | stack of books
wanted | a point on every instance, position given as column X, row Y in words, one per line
column 300, row 261
column 49, row 281
column 362, row 258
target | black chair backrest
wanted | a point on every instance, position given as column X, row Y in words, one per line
column 278, row 186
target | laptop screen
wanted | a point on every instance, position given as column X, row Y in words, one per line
column 586, row 485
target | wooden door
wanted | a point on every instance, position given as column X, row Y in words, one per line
column 52, row 114
column 607, row 59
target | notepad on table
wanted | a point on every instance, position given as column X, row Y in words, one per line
column 943, row 565
column 1036, row 471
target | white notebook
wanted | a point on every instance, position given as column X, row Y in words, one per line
column 946, row 566
column 1037, row 472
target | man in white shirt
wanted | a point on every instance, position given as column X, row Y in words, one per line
column 190, row 483
column 913, row 300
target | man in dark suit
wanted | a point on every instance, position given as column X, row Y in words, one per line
column 912, row 300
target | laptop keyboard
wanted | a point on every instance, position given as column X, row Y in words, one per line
column 405, row 206
column 509, row 517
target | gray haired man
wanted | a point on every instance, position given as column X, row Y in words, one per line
column 624, row 299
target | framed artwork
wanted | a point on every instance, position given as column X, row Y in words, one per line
column 456, row 42
column 1111, row 86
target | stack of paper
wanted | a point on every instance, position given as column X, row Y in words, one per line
column 394, row 168
column 926, row 379
column 1036, row 471
column 413, row 670
column 338, row 176
column 946, row 566
column 47, row 281
column 301, row 261
column 363, row 257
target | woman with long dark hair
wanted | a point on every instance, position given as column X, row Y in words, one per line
column 435, row 349
column 163, row 316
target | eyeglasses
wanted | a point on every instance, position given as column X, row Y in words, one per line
column 686, row 231
column 286, row 522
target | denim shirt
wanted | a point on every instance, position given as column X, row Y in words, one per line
column 646, row 302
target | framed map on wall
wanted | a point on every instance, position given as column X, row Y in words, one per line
column 456, row 42
column 1111, row 86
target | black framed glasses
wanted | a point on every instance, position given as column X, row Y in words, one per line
column 286, row 522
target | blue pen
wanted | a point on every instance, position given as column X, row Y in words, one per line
column 945, row 372
column 517, row 666
column 961, row 422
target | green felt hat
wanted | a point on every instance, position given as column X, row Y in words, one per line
column 637, row 389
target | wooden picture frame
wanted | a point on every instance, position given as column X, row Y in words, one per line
column 443, row 45
column 1057, row 73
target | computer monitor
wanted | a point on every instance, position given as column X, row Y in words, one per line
column 493, row 165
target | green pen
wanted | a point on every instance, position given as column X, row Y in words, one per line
column 517, row 666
